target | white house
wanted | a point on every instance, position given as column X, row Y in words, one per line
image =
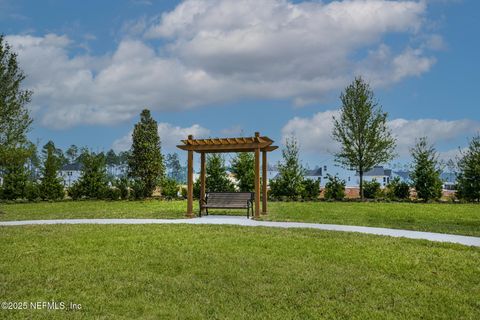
column 70, row 173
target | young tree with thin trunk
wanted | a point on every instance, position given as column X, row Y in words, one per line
column 146, row 161
column 361, row 129
column 291, row 173
column 426, row 171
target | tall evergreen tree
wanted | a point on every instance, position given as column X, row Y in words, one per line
column 146, row 161
column 242, row 165
column 216, row 174
column 15, row 121
column 291, row 173
column 362, row 131
column 426, row 171
column 468, row 181
column 51, row 186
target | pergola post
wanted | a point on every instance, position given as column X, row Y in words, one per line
column 190, row 182
column 264, row 182
column 257, row 179
column 202, row 177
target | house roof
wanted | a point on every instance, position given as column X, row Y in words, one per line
column 405, row 175
column 314, row 173
column 378, row 171
column 77, row 166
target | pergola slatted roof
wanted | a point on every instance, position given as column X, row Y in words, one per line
column 245, row 144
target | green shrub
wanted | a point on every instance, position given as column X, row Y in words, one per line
column 169, row 188
column 398, row 190
column 311, row 189
column 196, row 189
column 122, row 185
column 112, row 193
column 75, row 191
column 184, row 193
column 138, row 189
column 32, row 191
column 371, row 189
column 334, row 188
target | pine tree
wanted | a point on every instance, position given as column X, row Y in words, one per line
column 362, row 131
column 72, row 153
column 146, row 161
column 426, row 171
column 468, row 181
column 174, row 167
column 93, row 182
column 51, row 186
column 243, row 167
column 111, row 158
column 16, row 174
column 216, row 175
column 291, row 173
column 15, row 121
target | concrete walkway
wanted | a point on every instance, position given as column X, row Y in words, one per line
column 243, row 221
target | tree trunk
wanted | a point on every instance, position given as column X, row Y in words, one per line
column 361, row 184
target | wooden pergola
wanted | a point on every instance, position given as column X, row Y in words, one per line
column 254, row 144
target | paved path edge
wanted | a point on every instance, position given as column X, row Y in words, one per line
column 243, row 221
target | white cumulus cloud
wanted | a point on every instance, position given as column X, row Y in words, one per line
column 314, row 134
column 218, row 51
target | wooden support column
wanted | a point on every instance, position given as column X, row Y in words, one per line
column 257, row 179
column 264, row 182
column 190, row 182
column 202, row 177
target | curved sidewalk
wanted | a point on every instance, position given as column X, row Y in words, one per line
column 243, row 221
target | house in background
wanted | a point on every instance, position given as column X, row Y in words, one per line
column 378, row 173
column 70, row 173
column 314, row 174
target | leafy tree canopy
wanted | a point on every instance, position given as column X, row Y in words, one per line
column 361, row 129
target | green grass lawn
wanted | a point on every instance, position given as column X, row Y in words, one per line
column 433, row 217
column 219, row 272
column 447, row 218
column 95, row 209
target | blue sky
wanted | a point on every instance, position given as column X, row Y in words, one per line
column 223, row 68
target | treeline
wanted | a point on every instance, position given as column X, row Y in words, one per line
column 32, row 176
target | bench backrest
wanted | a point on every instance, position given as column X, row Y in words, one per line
column 229, row 198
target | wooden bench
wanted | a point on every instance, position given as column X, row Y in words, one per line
column 227, row 200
